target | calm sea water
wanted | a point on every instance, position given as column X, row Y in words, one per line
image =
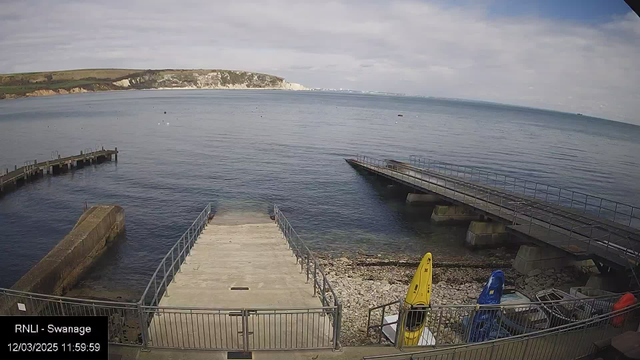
column 245, row 150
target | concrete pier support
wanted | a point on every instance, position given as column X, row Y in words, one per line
column 413, row 198
column 532, row 258
column 447, row 214
column 481, row 234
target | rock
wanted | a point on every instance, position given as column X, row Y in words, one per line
column 361, row 285
column 534, row 272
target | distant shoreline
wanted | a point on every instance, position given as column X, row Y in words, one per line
column 13, row 86
column 53, row 93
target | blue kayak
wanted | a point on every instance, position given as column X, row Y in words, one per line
column 483, row 324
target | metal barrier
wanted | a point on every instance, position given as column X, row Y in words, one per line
column 375, row 330
column 608, row 209
column 241, row 329
column 170, row 265
column 149, row 325
column 314, row 272
column 461, row 324
column 565, row 228
column 124, row 318
column 569, row 341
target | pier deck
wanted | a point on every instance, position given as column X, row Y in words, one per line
column 241, row 288
column 530, row 214
column 231, row 253
column 31, row 170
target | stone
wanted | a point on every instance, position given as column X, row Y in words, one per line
column 452, row 286
column 534, row 272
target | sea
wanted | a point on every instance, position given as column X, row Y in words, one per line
column 246, row 150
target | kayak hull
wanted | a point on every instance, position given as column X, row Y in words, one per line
column 417, row 301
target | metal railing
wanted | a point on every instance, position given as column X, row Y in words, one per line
column 241, row 329
column 535, row 217
column 378, row 313
column 147, row 324
column 569, row 341
column 461, row 324
column 170, row 264
column 584, row 203
column 314, row 272
column 32, row 168
column 577, row 238
column 124, row 318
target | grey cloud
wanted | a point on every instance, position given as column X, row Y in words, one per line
column 400, row 46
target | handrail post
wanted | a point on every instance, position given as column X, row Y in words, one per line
column 164, row 279
column 143, row 325
column 308, row 255
column 245, row 330
column 337, row 326
column 399, row 338
column 173, row 268
column 315, row 277
column 179, row 257
column 324, row 290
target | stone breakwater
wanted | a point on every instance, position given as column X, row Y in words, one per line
column 362, row 282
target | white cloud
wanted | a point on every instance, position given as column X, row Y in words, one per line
column 400, row 46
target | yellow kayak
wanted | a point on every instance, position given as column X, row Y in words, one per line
column 417, row 300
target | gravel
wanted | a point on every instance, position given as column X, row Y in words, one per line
column 360, row 283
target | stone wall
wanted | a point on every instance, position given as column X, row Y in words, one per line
column 61, row 267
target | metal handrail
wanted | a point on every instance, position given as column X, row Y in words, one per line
column 583, row 324
column 177, row 255
column 306, row 259
column 526, row 187
column 489, row 199
column 304, row 256
column 204, row 308
column 612, row 297
column 123, row 316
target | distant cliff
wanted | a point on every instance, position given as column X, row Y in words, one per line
column 77, row 81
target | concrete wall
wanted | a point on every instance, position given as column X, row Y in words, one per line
column 450, row 214
column 61, row 267
column 413, row 198
column 481, row 234
column 532, row 258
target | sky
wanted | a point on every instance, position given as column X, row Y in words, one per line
column 573, row 56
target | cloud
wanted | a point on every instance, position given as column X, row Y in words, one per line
column 412, row 47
